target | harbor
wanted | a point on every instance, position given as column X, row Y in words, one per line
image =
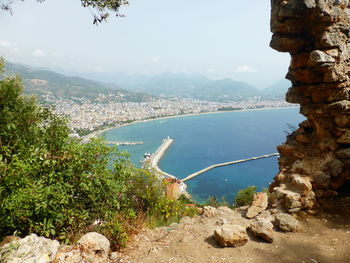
column 177, row 187
column 124, row 143
column 226, row 164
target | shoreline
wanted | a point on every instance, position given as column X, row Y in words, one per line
column 95, row 134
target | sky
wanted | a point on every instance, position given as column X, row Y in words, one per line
column 219, row 39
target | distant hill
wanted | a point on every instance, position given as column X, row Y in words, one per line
column 184, row 85
column 225, row 89
column 136, row 87
column 277, row 89
column 46, row 82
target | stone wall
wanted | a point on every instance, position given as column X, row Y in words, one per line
column 315, row 160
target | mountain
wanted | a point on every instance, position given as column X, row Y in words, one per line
column 168, row 84
column 225, row 89
column 45, row 82
column 183, row 85
column 277, row 89
column 136, row 87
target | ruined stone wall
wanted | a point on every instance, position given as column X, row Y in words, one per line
column 315, row 160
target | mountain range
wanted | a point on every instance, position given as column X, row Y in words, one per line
column 192, row 86
column 126, row 87
column 45, row 82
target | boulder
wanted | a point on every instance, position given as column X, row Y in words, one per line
column 94, row 247
column 91, row 248
column 29, row 249
column 268, row 215
column 262, row 228
column 231, row 236
column 286, row 222
column 259, row 204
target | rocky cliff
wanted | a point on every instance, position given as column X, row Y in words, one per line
column 315, row 160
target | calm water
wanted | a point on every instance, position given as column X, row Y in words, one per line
column 204, row 140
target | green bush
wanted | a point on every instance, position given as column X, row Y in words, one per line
column 58, row 187
column 214, row 202
column 245, row 196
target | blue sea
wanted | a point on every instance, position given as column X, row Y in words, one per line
column 203, row 140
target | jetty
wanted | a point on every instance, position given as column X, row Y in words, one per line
column 227, row 163
column 158, row 155
column 124, row 143
column 176, row 186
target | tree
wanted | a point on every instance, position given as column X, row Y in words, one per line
column 100, row 9
column 51, row 184
column 56, row 186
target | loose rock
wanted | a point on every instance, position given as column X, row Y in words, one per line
column 95, row 247
column 262, row 228
column 29, row 249
column 287, row 223
column 259, row 204
column 91, row 248
column 231, row 236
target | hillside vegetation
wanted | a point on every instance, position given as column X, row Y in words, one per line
column 55, row 186
column 48, row 83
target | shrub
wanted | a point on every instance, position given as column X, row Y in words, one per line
column 245, row 196
column 56, row 186
column 214, row 202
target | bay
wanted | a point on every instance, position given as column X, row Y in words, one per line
column 206, row 139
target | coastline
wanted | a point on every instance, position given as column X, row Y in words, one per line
column 95, row 134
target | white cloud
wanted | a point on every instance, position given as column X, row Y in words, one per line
column 5, row 43
column 245, row 69
column 38, row 53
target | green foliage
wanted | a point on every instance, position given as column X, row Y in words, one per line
column 245, row 196
column 102, row 8
column 56, row 186
column 184, row 199
column 72, row 88
column 214, row 202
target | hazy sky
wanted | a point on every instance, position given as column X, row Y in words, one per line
column 222, row 38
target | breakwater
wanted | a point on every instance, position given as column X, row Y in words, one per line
column 225, row 164
column 124, row 143
column 158, row 155
column 174, row 188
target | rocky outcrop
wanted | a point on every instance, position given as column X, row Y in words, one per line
column 259, row 204
column 29, row 249
column 315, row 160
column 231, row 236
column 91, row 248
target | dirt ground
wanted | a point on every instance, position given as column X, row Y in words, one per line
column 324, row 238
